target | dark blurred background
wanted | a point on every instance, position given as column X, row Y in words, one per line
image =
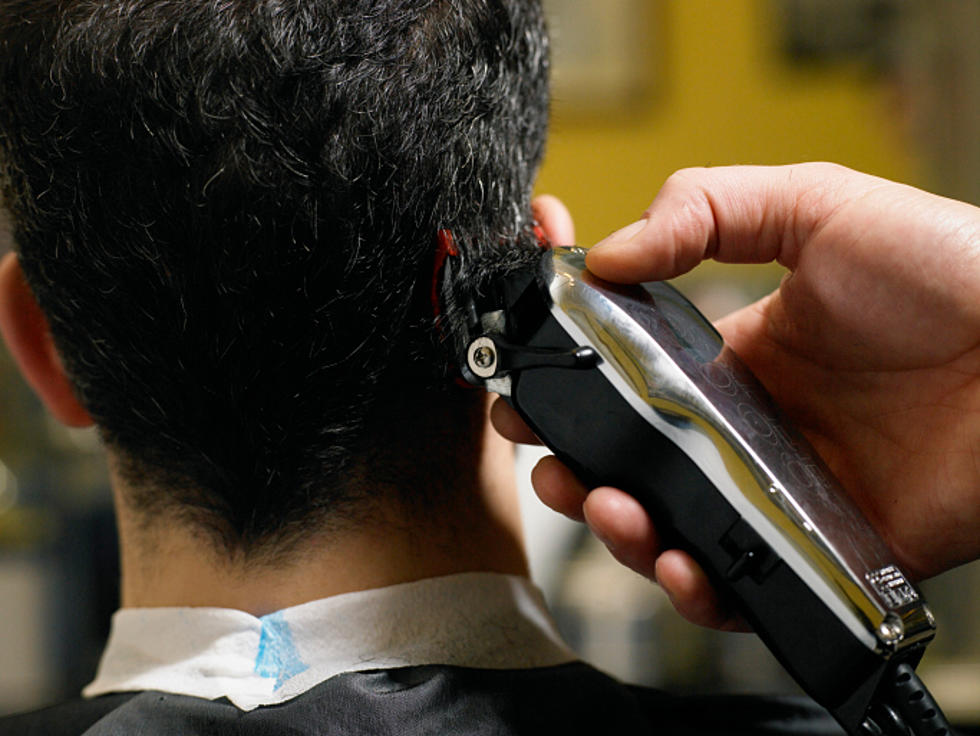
column 642, row 87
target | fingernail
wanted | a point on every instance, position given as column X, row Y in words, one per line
column 622, row 235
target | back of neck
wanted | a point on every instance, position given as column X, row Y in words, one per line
column 166, row 562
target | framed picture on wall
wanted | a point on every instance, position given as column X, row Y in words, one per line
column 604, row 53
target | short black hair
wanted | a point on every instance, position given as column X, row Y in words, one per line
column 227, row 210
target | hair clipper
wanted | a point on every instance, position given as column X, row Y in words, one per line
column 632, row 387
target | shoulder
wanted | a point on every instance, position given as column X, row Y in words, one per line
column 736, row 715
column 71, row 717
column 570, row 699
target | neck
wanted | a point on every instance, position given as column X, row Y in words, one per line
column 171, row 564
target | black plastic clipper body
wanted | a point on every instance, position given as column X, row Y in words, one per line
column 632, row 387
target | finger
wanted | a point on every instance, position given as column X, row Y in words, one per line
column 558, row 487
column 735, row 214
column 510, row 425
column 692, row 594
column 741, row 328
column 554, row 218
column 621, row 523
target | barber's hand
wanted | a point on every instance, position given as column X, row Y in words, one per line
column 871, row 345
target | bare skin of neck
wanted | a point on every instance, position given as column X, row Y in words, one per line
column 165, row 563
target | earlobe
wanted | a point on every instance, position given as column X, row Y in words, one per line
column 25, row 330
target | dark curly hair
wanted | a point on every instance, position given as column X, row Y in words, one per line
column 227, row 211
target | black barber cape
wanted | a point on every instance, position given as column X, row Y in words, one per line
column 564, row 700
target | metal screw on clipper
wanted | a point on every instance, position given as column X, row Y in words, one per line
column 482, row 357
column 891, row 630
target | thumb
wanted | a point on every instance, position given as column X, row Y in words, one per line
column 735, row 214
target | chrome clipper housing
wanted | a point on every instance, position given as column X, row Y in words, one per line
column 633, row 387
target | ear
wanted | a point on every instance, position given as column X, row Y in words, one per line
column 28, row 338
column 553, row 217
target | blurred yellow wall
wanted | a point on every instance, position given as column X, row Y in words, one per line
column 723, row 93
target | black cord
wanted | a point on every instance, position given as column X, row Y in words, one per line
column 916, row 707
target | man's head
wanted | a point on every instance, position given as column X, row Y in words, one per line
column 227, row 211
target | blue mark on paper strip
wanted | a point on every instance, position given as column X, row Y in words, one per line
column 277, row 655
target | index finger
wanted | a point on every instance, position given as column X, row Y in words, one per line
column 510, row 425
